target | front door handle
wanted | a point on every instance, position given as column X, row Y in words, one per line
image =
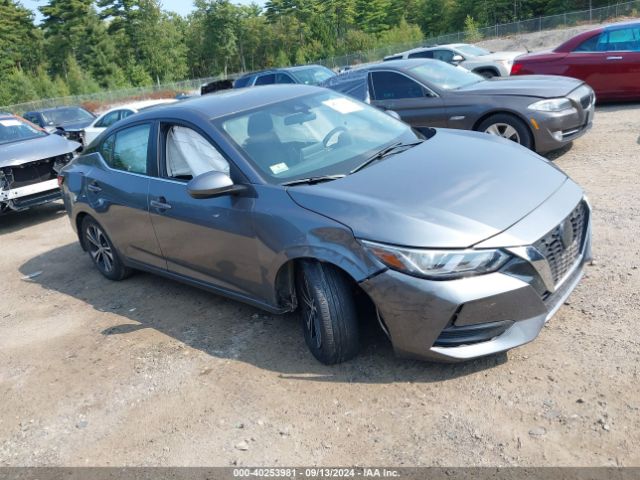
column 160, row 204
column 94, row 187
column 614, row 58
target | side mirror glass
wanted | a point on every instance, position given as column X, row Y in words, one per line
column 393, row 114
column 457, row 59
column 213, row 184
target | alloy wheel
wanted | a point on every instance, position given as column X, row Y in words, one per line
column 504, row 130
column 99, row 248
column 311, row 315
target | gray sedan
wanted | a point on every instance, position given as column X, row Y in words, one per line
column 539, row 112
column 297, row 198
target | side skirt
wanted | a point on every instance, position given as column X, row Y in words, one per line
column 206, row 286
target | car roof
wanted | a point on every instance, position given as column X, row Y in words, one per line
column 227, row 102
column 279, row 69
column 140, row 105
column 615, row 26
column 399, row 64
column 53, row 109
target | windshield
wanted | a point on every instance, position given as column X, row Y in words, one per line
column 472, row 51
column 312, row 75
column 60, row 116
column 14, row 129
column 445, row 76
column 311, row 136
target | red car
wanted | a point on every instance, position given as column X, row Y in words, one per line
column 607, row 58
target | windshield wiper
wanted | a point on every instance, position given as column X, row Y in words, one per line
column 390, row 150
column 312, row 180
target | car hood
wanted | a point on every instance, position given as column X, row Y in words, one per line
column 73, row 126
column 453, row 191
column 17, row 153
column 540, row 86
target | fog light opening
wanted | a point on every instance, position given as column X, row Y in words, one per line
column 557, row 136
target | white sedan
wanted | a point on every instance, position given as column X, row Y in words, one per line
column 111, row 116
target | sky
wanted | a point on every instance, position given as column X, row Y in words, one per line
column 183, row 7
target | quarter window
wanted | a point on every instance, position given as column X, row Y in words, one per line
column 589, row 45
column 393, row 86
column 127, row 149
column 266, row 79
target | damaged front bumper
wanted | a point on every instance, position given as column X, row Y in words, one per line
column 457, row 320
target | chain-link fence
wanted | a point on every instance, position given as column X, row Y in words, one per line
column 595, row 15
column 538, row 24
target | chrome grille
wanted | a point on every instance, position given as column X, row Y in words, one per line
column 553, row 246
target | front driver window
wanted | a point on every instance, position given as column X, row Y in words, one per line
column 127, row 149
column 189, row 154
column 443, row 55
column 393, row 86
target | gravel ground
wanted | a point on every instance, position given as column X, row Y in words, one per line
column 152, row 372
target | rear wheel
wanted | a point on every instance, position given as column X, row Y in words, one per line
column 103, row 253
column 487, row 73
column 507, row 126
column 328, row 311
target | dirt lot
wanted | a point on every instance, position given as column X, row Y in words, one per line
column 151, row 372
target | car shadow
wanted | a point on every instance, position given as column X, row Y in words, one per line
column 616, row 106
column 227, row 329
column 555, row 154
column 13, row 221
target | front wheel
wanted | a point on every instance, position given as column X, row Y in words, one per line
column 507, row 126
column 329, row 318
column 103, row 253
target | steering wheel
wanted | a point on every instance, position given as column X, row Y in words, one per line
column 331, row 134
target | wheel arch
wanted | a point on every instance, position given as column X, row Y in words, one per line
column 284, row 283
column 487, row 68
column 513, row 113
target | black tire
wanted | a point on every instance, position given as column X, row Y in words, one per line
column 102, row 252
column 487, row 73
column 328, row 312
column 524, row 136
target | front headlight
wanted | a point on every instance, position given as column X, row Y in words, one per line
column 551, row 105
column 438, row 264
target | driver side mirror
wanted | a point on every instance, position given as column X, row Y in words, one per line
column 457, row 59
column 213, row 184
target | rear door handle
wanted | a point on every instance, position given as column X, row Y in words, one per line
column 614, row 58
column 160, row 204
column 94, row 187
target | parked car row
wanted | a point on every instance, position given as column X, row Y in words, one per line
column 473, row 58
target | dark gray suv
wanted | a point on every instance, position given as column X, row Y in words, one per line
column 299, row 198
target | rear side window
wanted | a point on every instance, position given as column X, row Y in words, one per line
column 284, row 78
column 393, row 86
column 424, row 54
column 266, row 79
column 620, row 40
column 109, row 119
column 589, row 45
column 127, row 149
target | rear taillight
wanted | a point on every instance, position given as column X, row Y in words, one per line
column 60, row 180
column 516, row 69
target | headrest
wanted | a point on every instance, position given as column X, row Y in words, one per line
column 259, row 124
